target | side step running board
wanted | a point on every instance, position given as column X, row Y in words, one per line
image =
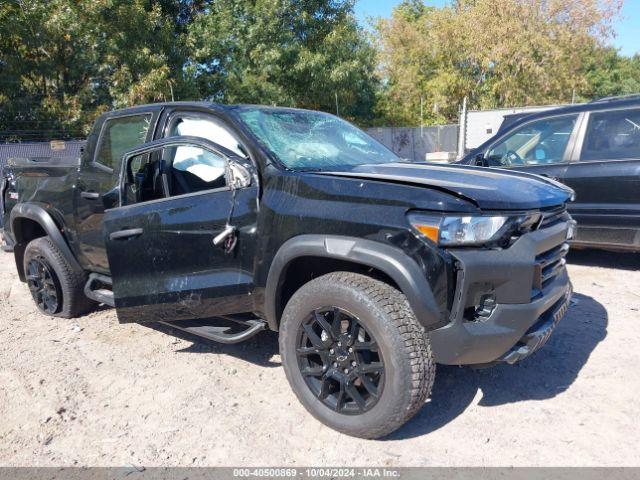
column 219, row 333
column 100, row 295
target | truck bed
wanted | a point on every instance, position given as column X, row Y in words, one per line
column 48, row 181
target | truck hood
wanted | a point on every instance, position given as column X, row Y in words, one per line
column 487, row 188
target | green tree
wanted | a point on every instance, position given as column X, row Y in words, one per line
column 610, row 74
column 46, row 54
column 289, row 52
column 63, row 62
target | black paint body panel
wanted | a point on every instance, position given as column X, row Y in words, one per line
column 170, row 270
column 490, row 190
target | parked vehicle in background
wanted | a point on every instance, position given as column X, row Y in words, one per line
column 477, row 126
column 593, row 148
column 371, row 269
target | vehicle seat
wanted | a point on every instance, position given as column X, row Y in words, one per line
column 183, row 182
column 149, row 180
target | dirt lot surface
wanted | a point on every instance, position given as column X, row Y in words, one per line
column 93, row 392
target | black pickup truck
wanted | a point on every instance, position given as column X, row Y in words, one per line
column 227, row 220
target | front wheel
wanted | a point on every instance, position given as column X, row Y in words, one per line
column 355, row 355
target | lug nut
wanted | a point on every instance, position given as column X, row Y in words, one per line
column 350, row 349
column 346, row 370
column 331, row 351
column 335, row 364
column 353, row 364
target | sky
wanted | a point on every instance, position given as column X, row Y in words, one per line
column 627, row 27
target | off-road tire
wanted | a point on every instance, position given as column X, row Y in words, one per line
column 69, row 281
column 403, row 343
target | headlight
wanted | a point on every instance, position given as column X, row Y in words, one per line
column 460, row 230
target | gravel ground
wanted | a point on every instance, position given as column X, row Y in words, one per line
column 93, row 392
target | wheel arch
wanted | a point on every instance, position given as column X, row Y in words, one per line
column 385, row 262
column 30, row 221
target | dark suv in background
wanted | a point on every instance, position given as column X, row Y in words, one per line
column 593, row 148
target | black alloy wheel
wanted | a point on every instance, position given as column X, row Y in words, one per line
column 340, row 361
column 43, row 285
column 355, row 355
column 56, row 285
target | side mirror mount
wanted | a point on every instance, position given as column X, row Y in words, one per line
column 239, row 175
column 480, row 161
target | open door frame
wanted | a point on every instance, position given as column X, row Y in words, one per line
column 165, row 258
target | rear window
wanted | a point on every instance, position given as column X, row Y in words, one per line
column 612, row 135
column 119, row 135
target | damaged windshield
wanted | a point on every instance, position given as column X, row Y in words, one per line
column 306, row 140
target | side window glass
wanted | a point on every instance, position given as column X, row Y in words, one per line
column 537, row 143
column 612, row 135
column 172, row 171
column 207, row 128
column 194, row 169
column 119, row 135
column 143, row 181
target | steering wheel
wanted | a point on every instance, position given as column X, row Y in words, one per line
column 512, row 158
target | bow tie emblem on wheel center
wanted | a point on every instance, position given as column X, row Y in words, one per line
column 341, row 355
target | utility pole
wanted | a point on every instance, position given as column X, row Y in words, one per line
column 421, row 117
column 462, row 130
column 337, row 106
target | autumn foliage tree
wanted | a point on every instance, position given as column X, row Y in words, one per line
column 63, row 62
column 497, row 53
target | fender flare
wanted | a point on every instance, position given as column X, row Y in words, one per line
column 395, row 263
column 40, row 215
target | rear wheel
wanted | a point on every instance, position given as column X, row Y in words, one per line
column 355, row 355
column 56, row 287
column 44, row 285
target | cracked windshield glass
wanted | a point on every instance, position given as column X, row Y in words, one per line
column 304, row 140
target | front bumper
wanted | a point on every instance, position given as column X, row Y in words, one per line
column 539, row 333
column 530, row 291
